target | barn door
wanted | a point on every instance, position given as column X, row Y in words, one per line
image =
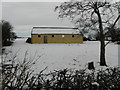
column 45, row 39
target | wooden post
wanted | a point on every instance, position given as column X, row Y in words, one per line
column 91, row 66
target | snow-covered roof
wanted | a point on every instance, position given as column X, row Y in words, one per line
column 55, row 30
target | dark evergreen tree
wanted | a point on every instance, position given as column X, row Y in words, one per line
column 7, row 34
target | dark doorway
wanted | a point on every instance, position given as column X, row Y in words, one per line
column 45, row 39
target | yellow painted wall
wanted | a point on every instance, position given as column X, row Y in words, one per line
column 58, row 38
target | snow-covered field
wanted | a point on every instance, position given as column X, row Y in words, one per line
column 60, row 56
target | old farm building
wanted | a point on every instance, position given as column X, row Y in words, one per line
column 55, row 35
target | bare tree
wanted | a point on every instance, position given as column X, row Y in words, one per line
column 91, row 15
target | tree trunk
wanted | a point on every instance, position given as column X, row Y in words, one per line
column 102, row 36
column 102, row 53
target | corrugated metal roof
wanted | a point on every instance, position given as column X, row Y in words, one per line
column 54, row 30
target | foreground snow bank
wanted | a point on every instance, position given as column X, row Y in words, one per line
column 61, row 56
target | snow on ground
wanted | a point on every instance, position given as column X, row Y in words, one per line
column 61, row 56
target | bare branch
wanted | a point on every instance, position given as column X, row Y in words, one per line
column 107, row 43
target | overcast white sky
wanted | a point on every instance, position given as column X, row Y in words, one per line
column 24, row 15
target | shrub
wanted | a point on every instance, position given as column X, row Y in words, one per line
column 28, row 40
column 7, row 43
